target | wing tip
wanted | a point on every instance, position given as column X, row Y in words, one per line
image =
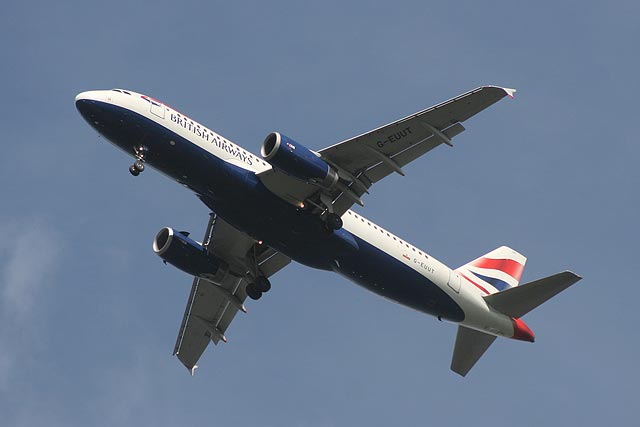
column 509, row 91
column 458, row 370
column 574, row 276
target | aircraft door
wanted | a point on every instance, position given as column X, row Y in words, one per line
column 157, row 108
column 454, row 281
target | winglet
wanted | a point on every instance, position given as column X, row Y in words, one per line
column 510, row 92
column 193, row 370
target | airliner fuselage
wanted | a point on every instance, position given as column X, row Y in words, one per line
column 226, row 178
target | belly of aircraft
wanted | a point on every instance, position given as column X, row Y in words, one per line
column 379, row 272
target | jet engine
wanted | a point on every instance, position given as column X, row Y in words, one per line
column 297, row 160
column 185, row 254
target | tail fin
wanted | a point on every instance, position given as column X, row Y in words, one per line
column 516, row 302
column 499, row 270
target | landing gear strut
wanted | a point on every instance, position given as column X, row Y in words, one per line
column 138, row 166
column 256, row 288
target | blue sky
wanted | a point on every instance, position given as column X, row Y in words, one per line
column 89, row 315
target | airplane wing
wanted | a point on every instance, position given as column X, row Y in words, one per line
column 364, row 160
column 212, row 306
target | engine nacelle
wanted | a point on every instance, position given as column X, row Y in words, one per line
column 297, row 160
column 186, row 254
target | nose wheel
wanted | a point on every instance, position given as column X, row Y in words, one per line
column 136, row 168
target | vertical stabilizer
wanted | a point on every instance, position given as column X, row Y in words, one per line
column 496, row 271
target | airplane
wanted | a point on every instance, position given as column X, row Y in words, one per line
column 294, row 203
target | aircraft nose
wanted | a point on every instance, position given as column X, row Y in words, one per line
column 521, row 331
column 90, row 95
column 89, row 98
column 87, row 104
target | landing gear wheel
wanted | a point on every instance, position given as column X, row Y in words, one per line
column 133, row 171
column 253, row 292
column 333, row 222
column 262, row 284
column 138, row 165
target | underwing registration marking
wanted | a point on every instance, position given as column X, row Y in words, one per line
column 395, row 137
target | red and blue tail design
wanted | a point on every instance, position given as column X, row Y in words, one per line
column 496, row 271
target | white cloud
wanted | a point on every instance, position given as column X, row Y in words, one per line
column 28, row 253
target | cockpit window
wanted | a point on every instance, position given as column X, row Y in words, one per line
column 121, row 91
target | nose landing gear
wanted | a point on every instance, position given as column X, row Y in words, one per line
column 136, row 168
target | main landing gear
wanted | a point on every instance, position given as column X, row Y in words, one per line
column 136, row 168
column 333, row 222
column 256, row 288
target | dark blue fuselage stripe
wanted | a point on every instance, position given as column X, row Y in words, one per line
column 379, row 272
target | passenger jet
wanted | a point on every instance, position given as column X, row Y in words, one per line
column 294, row 203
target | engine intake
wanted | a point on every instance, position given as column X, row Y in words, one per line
column 297, row 160
column 187, row 255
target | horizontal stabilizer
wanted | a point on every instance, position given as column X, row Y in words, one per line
column 516, row 302
column 470, row 346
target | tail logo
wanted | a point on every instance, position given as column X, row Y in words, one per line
column 500, row 269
